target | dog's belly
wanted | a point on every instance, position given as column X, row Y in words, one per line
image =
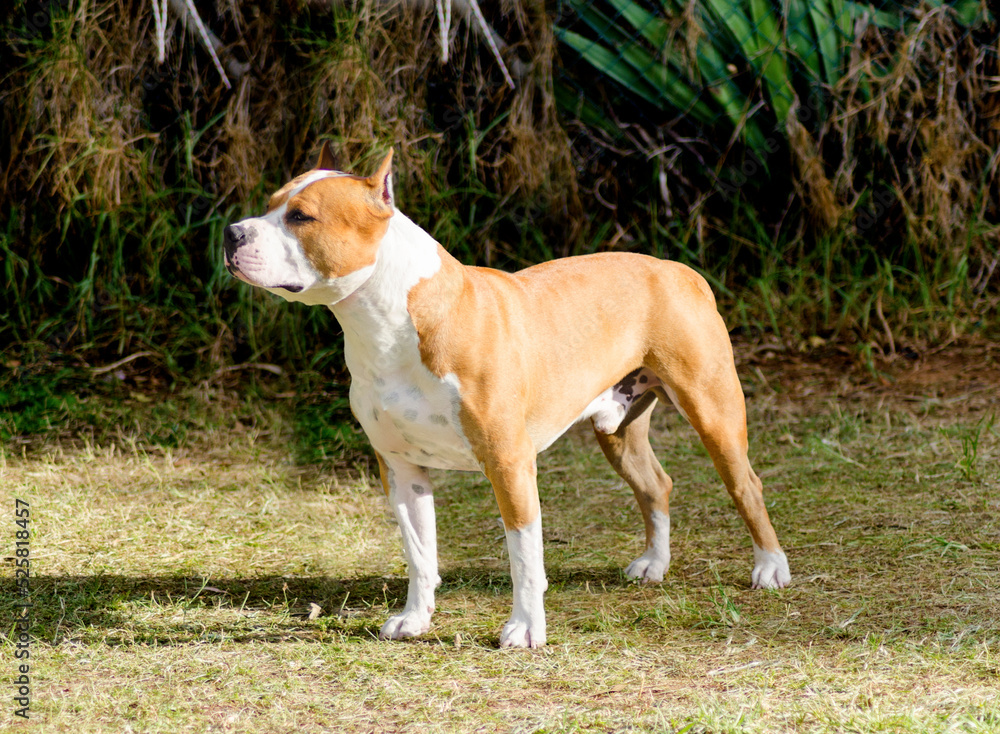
column 413, row 415
column 609, row 409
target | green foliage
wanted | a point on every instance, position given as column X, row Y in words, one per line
column 713, row 59
column 123, row 173
column 33, row 405
column 967, row 457
column 835, row 190
column 650, row 56
column 325, row 430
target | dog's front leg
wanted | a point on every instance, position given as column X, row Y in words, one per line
column 516, row 490
column 409, row 490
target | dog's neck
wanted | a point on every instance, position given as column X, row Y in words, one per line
column 378, row 330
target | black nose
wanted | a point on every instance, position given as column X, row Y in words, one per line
column 233, row 236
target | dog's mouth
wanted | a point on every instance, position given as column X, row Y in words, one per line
column 240, row 275
column 234, row 269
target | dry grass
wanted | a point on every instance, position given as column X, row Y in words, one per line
column 79, row 136
column 173, row 588
column 936, row 130
column 97, row 118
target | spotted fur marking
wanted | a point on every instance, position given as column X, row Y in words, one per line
column 611, row 407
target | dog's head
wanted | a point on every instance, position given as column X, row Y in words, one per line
column 319, row 239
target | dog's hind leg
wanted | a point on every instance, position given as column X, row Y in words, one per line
column 707, row 392
column 629, row 452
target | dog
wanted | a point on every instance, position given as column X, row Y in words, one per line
column 470, row 368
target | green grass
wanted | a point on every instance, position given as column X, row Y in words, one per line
column 174, row 576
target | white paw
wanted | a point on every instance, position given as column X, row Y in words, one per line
column 406, row 624
column 770, row 570
column 651, row 565
column 648, row 568
column 521, row 633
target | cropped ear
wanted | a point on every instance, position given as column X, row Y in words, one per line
column 381, row 184
column 327, row 161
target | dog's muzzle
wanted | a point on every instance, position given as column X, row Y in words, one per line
column 234, row 237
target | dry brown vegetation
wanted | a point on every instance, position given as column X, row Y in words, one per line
column 92, row 102
column 187, row 516
column 931, row 94
column 876, row 226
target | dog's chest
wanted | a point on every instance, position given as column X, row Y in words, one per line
column 409, row 413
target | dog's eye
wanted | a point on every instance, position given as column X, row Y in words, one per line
column 298, row 216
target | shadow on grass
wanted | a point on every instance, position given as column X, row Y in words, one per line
column 173, row 610
column 126, row 610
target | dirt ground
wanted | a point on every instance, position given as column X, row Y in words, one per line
column 963, row 375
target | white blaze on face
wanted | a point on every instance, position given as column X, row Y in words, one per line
column 271, row 257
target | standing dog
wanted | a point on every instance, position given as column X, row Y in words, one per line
column 458, row 367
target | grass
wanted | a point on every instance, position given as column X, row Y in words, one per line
column 124, row 171
column 173, row 579
column 189, row 520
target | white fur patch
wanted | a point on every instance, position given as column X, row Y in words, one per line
column 770, row 569
column 609, row 409
column 652, row 564
column 526, row 627
column 406, row 411
column 411, row 414
column 412, row 503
